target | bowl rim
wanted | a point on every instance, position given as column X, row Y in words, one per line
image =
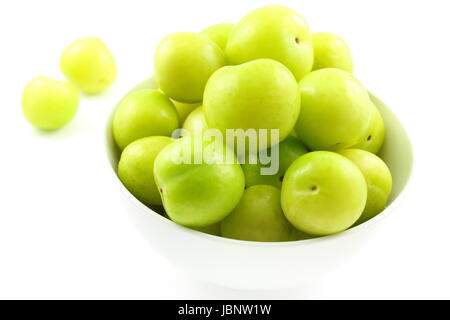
column 284, row 244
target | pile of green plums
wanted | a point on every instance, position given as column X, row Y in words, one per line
column 265, row 72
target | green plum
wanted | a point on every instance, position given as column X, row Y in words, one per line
column 336, row 110
column 261, row 94
column 258, row 217
column 198, row 182
column 289, row 150
column 374, row 137
column 49, row 104
column 89, row 64
column 195, row 122
column 323, row 193
column 219, row 33
column 184, row 62
column 184, row 109
column 273, row 32
column 331, row 51
column 136, row 168
column 293, row 134
column 378, row 179
column 144, row 113
column 213, row 229
column 298, row 235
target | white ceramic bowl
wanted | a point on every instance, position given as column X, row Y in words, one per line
column 258, row 265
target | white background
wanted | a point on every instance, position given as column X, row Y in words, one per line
column 63, row 229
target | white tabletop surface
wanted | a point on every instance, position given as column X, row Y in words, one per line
column 63, row 229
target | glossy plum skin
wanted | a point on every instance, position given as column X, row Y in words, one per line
column 202, row 194
column 258, row 217
column 261, row 94
column 373, row 140
column 143, row 113
column 331, row 51
column 323, row 193
column 89, row 64
column 183, row 63
column 195, row 123
column 336, row 110
column 273, row 32
column 135, row 168
column 378, row 178
column 219, row 33
column 49, row 104
column 289, row 150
